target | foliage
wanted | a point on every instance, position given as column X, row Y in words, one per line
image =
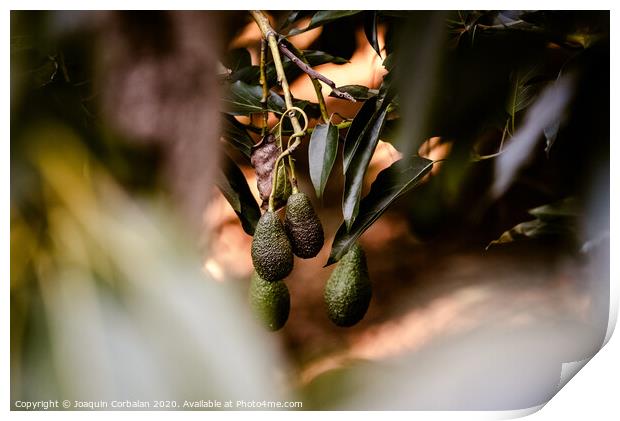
column 492, row 72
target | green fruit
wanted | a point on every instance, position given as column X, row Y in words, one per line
column 271, row 250
column 270, row 302
column 348, row 290
column 303, row 226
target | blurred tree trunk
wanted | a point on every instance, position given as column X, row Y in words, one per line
column 159, row 84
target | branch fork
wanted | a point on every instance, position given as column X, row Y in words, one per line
column 276, row 45
column 313, row 73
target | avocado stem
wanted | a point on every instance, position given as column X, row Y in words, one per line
column 270, row 35
column 290, row 113
column 263, row 82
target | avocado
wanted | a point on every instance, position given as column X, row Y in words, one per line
column 348, row 289
column 272, row 255
column 270, row 302
column 303, row 226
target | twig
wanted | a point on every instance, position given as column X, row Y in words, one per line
column 270, row 35
column 313, row 73
column 477, row 157
column 318, row 89
column 343, row 125
column 290, row 113
column 263, row 82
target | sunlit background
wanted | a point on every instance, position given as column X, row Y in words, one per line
column 130, row 270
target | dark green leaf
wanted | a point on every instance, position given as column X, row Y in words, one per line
column 234, row 187
column 357, row 130
column 557, row 219
column 391, row 183
column 360, row 144
column 370, row 29
column 244, row 99
column 236, row 135
column 291, row 18
column 323, row 17
column 389, row 62
column 358, row 163
column 316, row 58
column 249, row 75
column 529, row 229
column 525, row 86
column 237, row 59
column 322, row 154
column 359, row 92
column 566, row 208
column 311, row 109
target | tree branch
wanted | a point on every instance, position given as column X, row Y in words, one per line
column 270, row 35
column 313, row 73
column 263, row 82
column 318, row 89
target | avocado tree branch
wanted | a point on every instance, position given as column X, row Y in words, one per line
column 270, row 35
column 263, row 82
column 313, row 73
column 315, row 82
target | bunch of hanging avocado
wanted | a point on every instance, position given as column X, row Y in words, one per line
column 348, row 290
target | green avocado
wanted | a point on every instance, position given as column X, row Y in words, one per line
column 303, row 226
column 272, row 255
column 270, row 302
column 348, row 289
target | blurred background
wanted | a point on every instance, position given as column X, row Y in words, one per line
column 129, row 269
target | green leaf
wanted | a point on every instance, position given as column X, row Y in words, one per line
column 236, row 59
column 249, row 75
column 323, row 17
column 236, row 135
column 389, row 62
column 359, row 92
column 557, row 219
column 291, row 18
column 357, row 130
column 565, row 208
column 357, row 164
column 391, row 183
column 526, row 85
column 316, row 58
column 322, row 155
column 244, row 99
column 370, row 29
column 234, row 187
